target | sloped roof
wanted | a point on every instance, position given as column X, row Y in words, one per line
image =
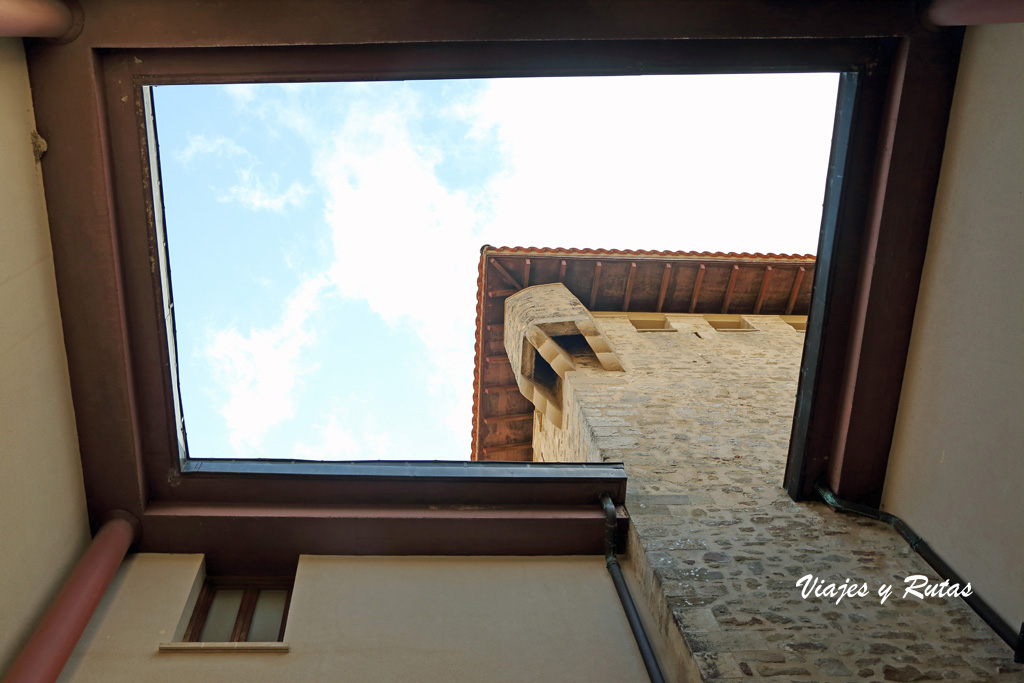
column 612, row 280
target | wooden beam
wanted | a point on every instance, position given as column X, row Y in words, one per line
column 899, row 219
column 664, row 286
column 496, row 327
column 597, row 283
column 796, row 289
column 501, row 389
column 497, row 359
column 502, row 419
column 561, row 271
column 764, row 288
column 505, row 274
column 629, row 286
column 497, row 293
column 526, row 274
column 872, row 252
column 728, row 290
column 492, row 450
column 696, row 287
column 236, row 539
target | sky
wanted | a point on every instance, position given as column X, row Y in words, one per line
column 324, row 238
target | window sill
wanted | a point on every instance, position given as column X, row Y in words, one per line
column 279, row 648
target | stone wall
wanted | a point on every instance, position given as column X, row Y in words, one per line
column 701, row 418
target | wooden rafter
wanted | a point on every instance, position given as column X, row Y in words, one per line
column 491, row 450
column 796, row 289
column 664, row 286
column 505, row 274
column 501, row 419
column 597, row 283
column 764, row 288
column 728, row 290
column 696, row 287
column 629, row 286
column 502, row 389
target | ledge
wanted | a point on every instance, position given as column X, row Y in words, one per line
column 277, row 648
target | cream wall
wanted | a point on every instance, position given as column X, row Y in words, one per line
column 43, row 523
column 425, row 619
column 956, row 470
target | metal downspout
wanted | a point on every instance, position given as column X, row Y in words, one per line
column 40, row 19
column 628, row 606
column 973, row 12
column 974, row 601
column 47, row 651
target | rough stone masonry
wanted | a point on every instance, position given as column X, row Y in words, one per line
column 701, row 418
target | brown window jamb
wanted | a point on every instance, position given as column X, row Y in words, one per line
column 195, row 625
column 243, row 621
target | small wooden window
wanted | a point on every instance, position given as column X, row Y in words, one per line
column 240, row 610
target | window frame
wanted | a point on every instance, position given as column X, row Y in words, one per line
column 260, row 515
column 128, row 73
column 251, row 587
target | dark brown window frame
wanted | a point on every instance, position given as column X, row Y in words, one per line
column 87, row 102
column 251, row 587
column 167, row 476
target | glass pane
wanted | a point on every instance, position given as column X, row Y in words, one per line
column 220, row 620
column 278, row 198
column 266, row 620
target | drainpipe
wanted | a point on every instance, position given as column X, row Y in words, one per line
column 48, row 650
column 40, row 19
column 973, row 12
column 628, row 606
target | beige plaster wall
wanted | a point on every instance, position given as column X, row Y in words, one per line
column 956, row 470
column 43, row 523
column 426, row 619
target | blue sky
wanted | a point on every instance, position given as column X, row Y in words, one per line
column 324, row 238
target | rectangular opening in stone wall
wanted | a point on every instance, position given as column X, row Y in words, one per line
column 650, row 322
column 542, row 373
column 575, row 345
column 730, row 323
column 323, row 236
column 797, row 322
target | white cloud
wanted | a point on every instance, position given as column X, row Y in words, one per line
column 256, row 194
column 682, row 163
column 242, row 93
column 406, row 245
column 344, row 437
column 259, row 370
column 200, row 145
column 251, row 190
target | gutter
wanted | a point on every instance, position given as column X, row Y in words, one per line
column 1003, row 629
